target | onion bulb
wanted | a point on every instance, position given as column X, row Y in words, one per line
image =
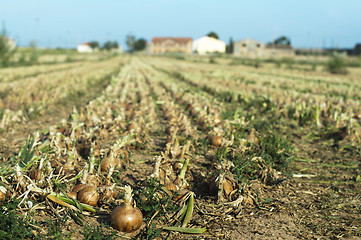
column 72, row 195
column 89, row 195
column 79, row 187
column 109, row 162
column 125, row 217
column 76, row 189
column 108, row 193
column 2, row 194
column 35, row 174
column 216, row 140
column 227, row 187
column 171, row 186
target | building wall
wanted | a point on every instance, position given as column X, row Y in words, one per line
column 171, row 45
column 11, row 43
column 84, row 48
column 208, row 45
column 249, row 48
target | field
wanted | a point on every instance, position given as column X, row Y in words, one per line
column 216, row 147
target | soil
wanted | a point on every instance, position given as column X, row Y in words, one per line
column 321, row 201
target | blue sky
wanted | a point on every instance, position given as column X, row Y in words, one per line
column 65, row 23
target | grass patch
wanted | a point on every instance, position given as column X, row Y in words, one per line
column 98, row 233
column 336, row 64
column 151, row 202
column 12, row 225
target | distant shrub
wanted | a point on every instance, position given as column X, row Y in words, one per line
column 257, row 63
column 34, row 56
column 289, row 62
column 313, row 66
column 22, row 59
column 6, row 51
column 336, row 64
column 69, row 58
column 278, row 63
column 212, row 60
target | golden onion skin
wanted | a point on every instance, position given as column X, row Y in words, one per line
column 89, row 195
column 109, row 162
column 79, row 187
column 72, row 195
column 126, row 218
column 2, row 196
column 216, row 140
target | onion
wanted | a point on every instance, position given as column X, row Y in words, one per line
column 109, row 162
column 217, row 120
column 168, row 139
column 79, row 187
column 35, row 174
column 2, row 194
column 202, row 120
column 180, row 194
column 216, row 140
column 89, row 195
column 92, row 180
column 227, row 187
column 103, row 134
column 125, row 217
column 134, row 126
column 178, row 166
column 72, row 195
column 172, row 187
column 108, row 193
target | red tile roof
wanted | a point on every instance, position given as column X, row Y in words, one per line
column 176, row 39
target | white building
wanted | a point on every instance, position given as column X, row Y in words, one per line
column 85, row 48
column 119, row 49
column 11, row 42
column 207, row 44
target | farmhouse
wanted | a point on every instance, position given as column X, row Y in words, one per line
column 207, row 44
column 252, row 48
column 85, row 48
column 171, row 45
column 10, row 42
column 248, row 48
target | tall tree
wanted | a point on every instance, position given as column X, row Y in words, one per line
column 282, row 40
column 109, row 45
column 229, row 47
column 213, row 35
column 94, row 44
column 140, row 44
column 6, row 51
column 130, row 40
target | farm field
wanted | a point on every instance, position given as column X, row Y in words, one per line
column 224, row 150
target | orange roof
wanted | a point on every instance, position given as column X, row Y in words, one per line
column 176, row 39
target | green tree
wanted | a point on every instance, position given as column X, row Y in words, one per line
column 109, row 45
column 213, row 35
column 115, row 45
column 282, row 40
column 94, row 44
column 229, row 47
column 336, row 64
column 140, row 44
column 34, row 55
column 6, row 51
column 130, row 40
